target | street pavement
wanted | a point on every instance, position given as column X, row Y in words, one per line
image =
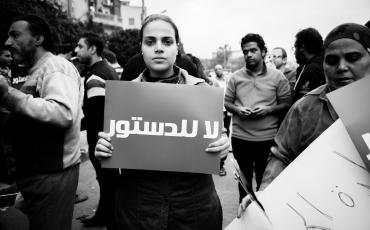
column 226, row 188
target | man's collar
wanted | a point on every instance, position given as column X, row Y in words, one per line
column 264, row 70
column 39, row 61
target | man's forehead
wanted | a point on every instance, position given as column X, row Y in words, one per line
column 250, row 45
column 277, row 51
column 82, row 41
column 19, row 26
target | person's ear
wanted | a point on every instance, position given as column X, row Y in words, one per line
column 263, row 52
column 92, row 49
column 39, row 40
column 178, row 48
column 285, row 60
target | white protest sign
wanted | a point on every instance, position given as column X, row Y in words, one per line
column 352, row 105
column 165, row 127
column 326, row 187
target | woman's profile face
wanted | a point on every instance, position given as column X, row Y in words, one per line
column 159, row 48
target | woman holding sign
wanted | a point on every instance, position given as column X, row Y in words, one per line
column 159, row 199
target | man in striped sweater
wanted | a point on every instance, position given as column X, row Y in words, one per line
column 89, row 51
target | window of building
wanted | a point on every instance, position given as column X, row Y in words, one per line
column 131, row 21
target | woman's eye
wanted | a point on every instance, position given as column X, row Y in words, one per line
column 149, row 42
column 352, row 57
column 168, row 42
column 331, row 60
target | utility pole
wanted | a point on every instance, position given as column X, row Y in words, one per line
column 142, row 11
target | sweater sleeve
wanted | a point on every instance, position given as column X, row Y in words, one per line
column 56, row 104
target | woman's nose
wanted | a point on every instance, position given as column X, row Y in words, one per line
column 158, row 47
column 342, row 65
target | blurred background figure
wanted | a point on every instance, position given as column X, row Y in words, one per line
column 5, row 64
column 308, row 53
column 220, row 80
column 279, row 59
column 111, row 58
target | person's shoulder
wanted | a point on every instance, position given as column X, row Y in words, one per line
column 103, row 70
column 191, row 80
column 237, row 73
column 138, row 79
column 272, row 70
column 317, row 91
column 276, row 75
column 312, row 98
column 315, row 64
column 53, row 63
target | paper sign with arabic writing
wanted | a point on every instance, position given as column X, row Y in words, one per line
column 353, row 107
column 166, row 127
column 326, row 187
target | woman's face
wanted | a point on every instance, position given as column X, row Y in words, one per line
column 159, row 48
column 345, row 61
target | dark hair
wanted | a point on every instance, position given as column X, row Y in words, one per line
column 65, row 48
column 109, row 55
column 39, row 26
column 155, row 17
column 283, row 52
column 254, row 38
column 199, row 67
column 311, row 39
column 92, row 39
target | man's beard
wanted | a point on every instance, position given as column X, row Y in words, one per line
column 251, row 66
column 300, row 58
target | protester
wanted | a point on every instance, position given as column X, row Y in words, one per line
column 43, row 127
column 89, row 51
column 220, row 81
column 255, row 95
column 5, row 64
column 160, row 199
column 279, row 59
column 111, row 58
column 198, row 65
column 346, row 59
column 308, row 53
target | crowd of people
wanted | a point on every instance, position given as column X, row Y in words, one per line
column 270, row 116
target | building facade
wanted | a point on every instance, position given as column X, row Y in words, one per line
column 112, row 14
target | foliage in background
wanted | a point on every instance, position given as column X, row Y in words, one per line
column 125, row 44
column 66, row 31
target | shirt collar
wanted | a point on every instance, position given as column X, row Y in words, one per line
column 323, row 96
column 264, row 70
column 175, row 78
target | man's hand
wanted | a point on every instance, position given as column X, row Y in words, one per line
column 261, row 111
column 4, row 85
column 244, row 112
